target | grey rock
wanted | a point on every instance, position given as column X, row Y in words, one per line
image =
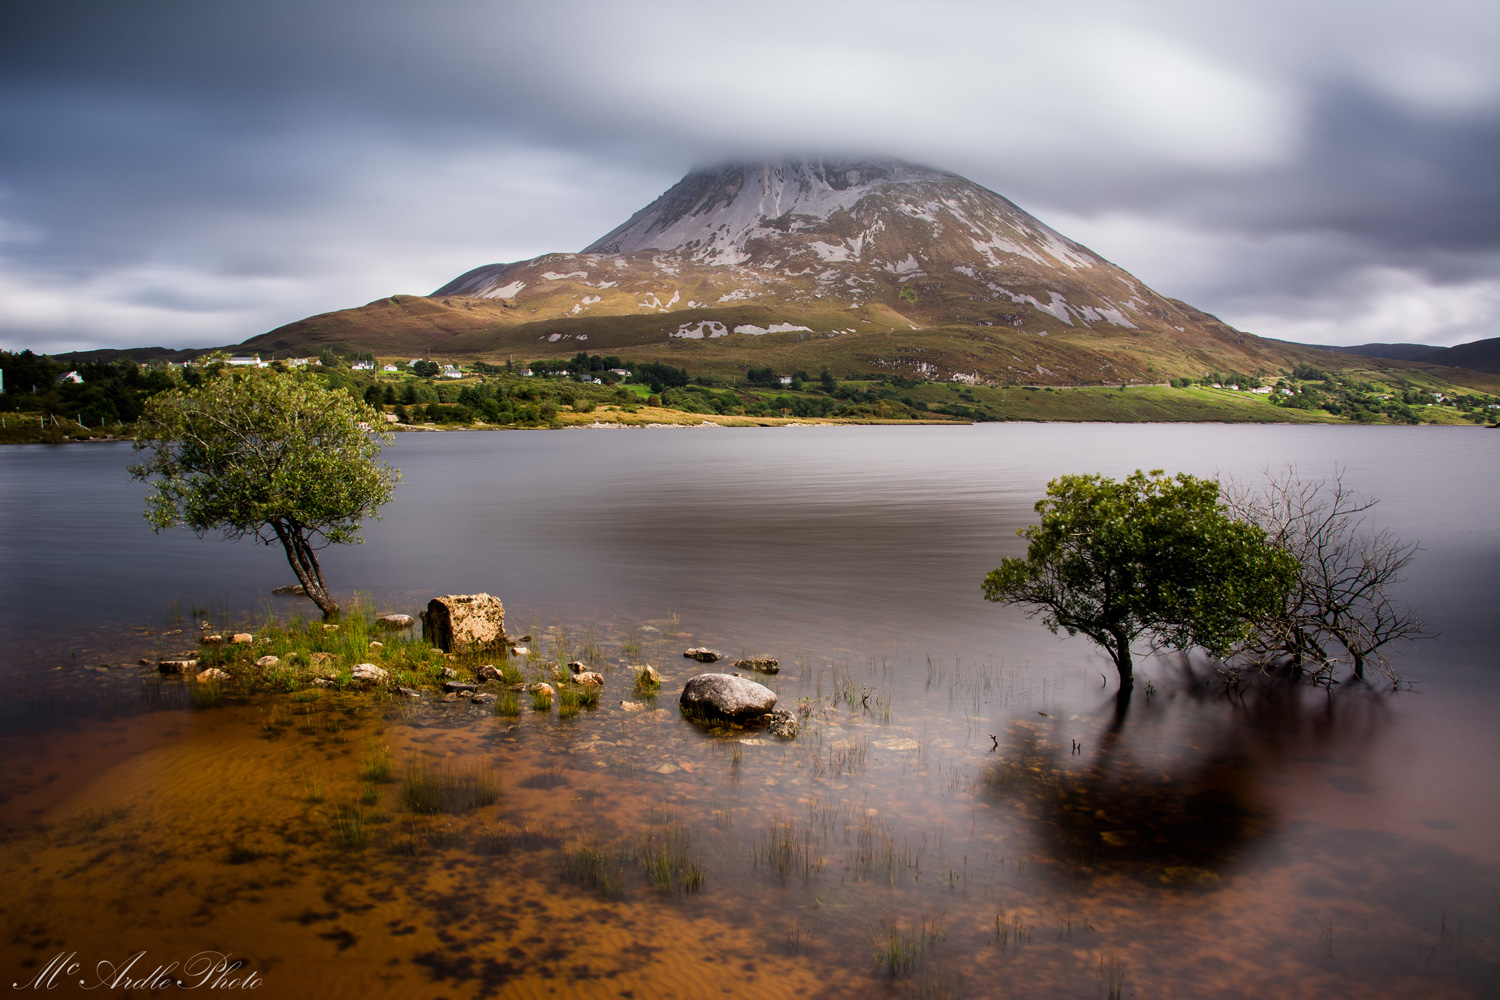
column 589, row 679
column 407, row 692
column 212, row 674
column 725, row 696
column 483, row 698
column 453, row 687
column 489, row 672
column 395, row 622
column 268, row 661
column 648, row 675
column 763, row 664
column 703, row 654
column 368, row 673
column 295, row 588
column 322, row 682
column 448, row 673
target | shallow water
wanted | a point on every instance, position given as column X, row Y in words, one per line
column 1283, row 844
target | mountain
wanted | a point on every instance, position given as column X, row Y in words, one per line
column 1477, row 355
column 857, row 265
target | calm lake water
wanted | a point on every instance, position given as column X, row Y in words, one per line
column 963, row 787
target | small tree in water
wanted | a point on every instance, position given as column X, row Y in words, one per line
column 1341, row 597
column 267, row 454
column 1154, row 556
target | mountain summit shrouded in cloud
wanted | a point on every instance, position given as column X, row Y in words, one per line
column 190, row 174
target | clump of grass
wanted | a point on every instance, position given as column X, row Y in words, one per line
column 663, row 853
column 786, row 847
column 349, row 828
column 595, row 867
column 207, row 694
column 541, row 701
column 507, row 704
column 376, row 767
column 900, row 950
column 311, row 694
column 312, row 785
column 568, row 701
column 1010, row 929
column 510, row 673
column 369, row 796
column 448, row 789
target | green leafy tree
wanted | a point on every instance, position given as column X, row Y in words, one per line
column 269, row 455
column 1154, row 556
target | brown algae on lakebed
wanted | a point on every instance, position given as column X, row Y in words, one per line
column 628, row 851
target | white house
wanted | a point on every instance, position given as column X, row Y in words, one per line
column 525, row 371
column 784, row 379
column 622, row 372
column 71, row 377
column 246, row 361
column 299, row 362
column 362, row 366
column 450, row 372
column 1264, row 390
column 390, row 368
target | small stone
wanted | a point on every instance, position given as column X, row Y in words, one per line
column 577, row 667
column 763, row 664
column 407, row 692
column 483, row 698
column 330, row 628
column 589, row 679
column 703, row 654
column 519, row 651
column 395, row 622
column 448, row 672
column 295, row 588
column 543, row 689
column 631, row 706
column 268, row 661
column 465, row 695
column 211, row 640
column 648, row 675
column 175, row 631
column 176, row 666
column 489, row 672
column 782, row 724
column 455, row 686
column 450, row 696
column 212, row 674
column 524, row 638
column 376, row 644
column 368, row 673
column 322, row 682
column 241, row 639
column 145, row 663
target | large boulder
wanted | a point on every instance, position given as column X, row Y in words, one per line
column 464, row 623
column 725, row 696
column 395, row 622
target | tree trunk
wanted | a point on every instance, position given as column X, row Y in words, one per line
column 1121, row 655
column 304, row 562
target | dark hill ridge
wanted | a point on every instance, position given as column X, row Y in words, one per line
column 1477, row 355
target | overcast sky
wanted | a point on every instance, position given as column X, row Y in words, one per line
column 196, row 173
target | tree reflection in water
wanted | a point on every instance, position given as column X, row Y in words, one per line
column 1169, row 785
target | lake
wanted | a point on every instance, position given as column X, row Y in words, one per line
column 963, row 815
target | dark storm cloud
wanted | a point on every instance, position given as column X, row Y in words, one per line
column 199, row 172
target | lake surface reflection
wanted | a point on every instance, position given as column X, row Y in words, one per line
column 965, row 797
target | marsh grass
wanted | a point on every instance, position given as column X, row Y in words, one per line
column 541, row 701
column 312, row 787
column 376, row 766
column 207, row 694
column 369, row 795
column 507, row 703
column 787, row 847
column 447, row 788
column 349, row 828
column 595, row 867
column 663, row 852
column 1010, row 930
column 899, row 950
